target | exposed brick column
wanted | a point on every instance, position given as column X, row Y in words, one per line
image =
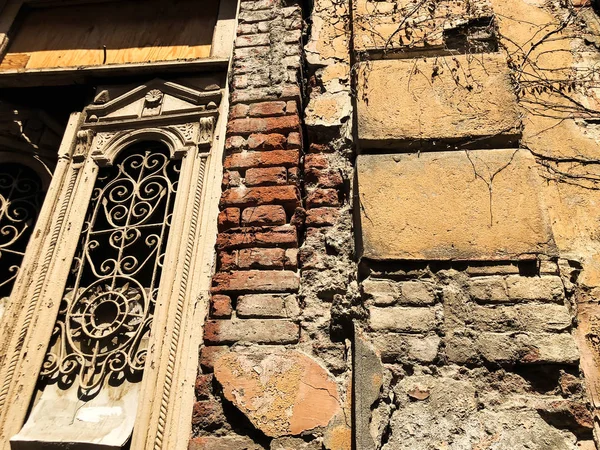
column 257, row 244
column 256, row 281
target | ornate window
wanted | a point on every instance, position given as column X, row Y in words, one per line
column 106, row 314
column 21, row 195
column 111, row 296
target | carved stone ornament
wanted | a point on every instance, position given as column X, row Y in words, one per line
column 187, row 130
column 207, row 127
column 153, row 98
column 82, row 145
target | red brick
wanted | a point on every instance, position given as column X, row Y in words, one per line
column 256, row 281
column 244, row 160
column 231, row 178
column 290, row 260
column 252, row 40
column 228, row 260
column 288, row 91
column 223, row 443
column 220, row 306
column 320, row 148
column 239, row 110
column 322, row 197
column 291, row 107
column 203, row 386
column 253, row 258
column 293, row 175
column 261, row 258
column 208, row 414
column 319, row 217
column 298, row 217
column 209, row 355
column 315, row 161
column 260, row 141
column 261, row 331
column 256, row 196
column 294, row 140
column 240, row 81
column 284, row 236
column 267, row 109
column 324, row 178
column 235, row 143
column 266, row 176
column 229, row 218
column 264, row 215
column 283, row 124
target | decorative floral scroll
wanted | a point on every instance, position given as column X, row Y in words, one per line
column 106, row 312
column 21, row 197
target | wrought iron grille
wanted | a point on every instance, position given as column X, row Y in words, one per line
column 21, row 197
column 106, row 313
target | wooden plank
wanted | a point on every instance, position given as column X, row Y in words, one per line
column 113, row 33
column 94, row 74
column 15, row 61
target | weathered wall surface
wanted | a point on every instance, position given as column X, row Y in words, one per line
column 489, row 157
column 469, row 359
column 274, row 370
column 407, row 248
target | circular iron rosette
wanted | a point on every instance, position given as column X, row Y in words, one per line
column 106, row 321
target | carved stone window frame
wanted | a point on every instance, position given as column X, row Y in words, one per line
column 93, row 138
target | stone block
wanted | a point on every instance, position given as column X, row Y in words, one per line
column 388, row 292
column 266, row 305
column 405, row 26
column 400, row 348
column 426, row 102
column 516, row 288
column 435, row 206
column 460, row 348
column 328, row 110
column 403, row 319
column 533, row 348
column 525, row 317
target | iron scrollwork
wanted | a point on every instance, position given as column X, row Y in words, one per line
column 107, row 310
column 21, row 196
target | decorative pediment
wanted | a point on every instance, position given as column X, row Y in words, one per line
column 156, row 100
